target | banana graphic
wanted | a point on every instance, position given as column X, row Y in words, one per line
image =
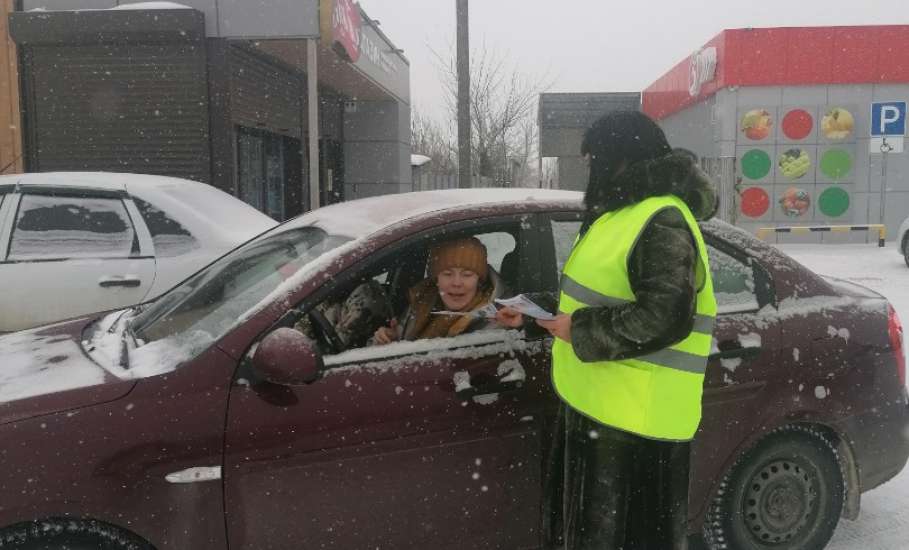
column 794, row 163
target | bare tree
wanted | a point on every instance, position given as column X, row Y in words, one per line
column 430, row 139
column 503, row 103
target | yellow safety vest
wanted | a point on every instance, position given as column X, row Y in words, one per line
column 656, row 395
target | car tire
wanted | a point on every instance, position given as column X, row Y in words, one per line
column 69, row 534
column 786, row 493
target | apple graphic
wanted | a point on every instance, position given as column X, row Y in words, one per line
column 838, row 123
column 756, row 124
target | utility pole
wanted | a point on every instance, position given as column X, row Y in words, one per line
column 463, row 54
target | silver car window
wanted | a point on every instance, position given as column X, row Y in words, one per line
column 54, row 227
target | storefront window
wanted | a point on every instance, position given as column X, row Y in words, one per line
column 263, row 169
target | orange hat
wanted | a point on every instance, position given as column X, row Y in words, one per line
column 468, row 253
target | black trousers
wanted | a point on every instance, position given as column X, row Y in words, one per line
column 620, row 491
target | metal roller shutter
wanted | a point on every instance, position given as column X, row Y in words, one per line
column 120, row 107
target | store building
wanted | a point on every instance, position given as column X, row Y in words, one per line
column 218, row 91
column 563, row 118
column 783, row 119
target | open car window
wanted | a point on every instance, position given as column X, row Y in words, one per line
column 380, row 293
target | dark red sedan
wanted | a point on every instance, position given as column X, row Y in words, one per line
column 240, row 410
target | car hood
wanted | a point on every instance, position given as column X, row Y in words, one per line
column 45, row 370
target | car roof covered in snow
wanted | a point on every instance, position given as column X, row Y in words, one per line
column 107, row 181
column 363, row 217
column 210, row 214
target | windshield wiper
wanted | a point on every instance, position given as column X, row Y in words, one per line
column 123, row 359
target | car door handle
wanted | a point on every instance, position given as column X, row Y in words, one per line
column 481, row 387
column 119, row 280
column 736, row 353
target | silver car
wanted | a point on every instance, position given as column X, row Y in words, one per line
column 74, row 243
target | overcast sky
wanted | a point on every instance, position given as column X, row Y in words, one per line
column 596, row 45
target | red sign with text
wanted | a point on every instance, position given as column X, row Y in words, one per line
column 345, row 27
column 800, row 56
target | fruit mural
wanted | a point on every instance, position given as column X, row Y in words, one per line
column 796, row 163
column 756, row 124
column 795, row 202
column 837, row 124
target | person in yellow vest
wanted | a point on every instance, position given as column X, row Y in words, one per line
column 632, row 336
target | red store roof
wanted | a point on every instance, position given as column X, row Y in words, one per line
column 797, row 56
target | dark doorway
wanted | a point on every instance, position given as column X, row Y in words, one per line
column 268, row 172
column 331, row 171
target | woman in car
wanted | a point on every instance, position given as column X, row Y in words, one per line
column 460, row 282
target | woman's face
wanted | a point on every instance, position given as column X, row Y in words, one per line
column 457, row 287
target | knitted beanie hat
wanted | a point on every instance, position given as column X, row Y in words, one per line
column 467, row 253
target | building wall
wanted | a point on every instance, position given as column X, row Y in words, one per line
column 696, row 129
column 563, row 119
column 692, row 128
column 225, row 18
column 10, row 123
column 118, row 107
column 376, row 148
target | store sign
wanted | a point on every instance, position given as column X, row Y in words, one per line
column 888, row 118
column 702, row 70
column 375, row 54
column 341, row 25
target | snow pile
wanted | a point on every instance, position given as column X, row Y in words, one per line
column 145, row 360
column 841, row 332
column 466, row 346
column 419, row 160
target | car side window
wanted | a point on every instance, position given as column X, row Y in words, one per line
column 170, row 238
column 359, row 307
column 564, row 234
column 733, row 283
column 54, row 227
column 498, row 245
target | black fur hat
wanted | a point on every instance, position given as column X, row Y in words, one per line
column 622, row 136
column 634, row 142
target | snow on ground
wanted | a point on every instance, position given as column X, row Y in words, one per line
column 884, row 520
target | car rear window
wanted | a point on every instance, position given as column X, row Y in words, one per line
column 53, row 227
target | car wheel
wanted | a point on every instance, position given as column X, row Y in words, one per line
column 786, row 493
column 69, row 534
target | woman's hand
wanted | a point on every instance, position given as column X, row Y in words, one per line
column 387, row 335
column 509, row 317
column 560, row 327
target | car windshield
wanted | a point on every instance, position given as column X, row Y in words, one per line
column 214, row 299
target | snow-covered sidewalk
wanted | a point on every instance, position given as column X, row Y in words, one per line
column 884, row 520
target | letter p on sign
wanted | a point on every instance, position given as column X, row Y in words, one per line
column 888, row 118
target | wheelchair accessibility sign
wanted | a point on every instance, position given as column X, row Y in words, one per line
column 888, row 127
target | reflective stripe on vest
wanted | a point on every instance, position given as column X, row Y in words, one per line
column 656, row 395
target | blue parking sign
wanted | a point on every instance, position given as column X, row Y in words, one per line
column 888, row 118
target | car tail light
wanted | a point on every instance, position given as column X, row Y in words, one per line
column 896, row 343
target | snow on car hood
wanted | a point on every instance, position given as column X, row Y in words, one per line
column 51, row 369
column 45, row 370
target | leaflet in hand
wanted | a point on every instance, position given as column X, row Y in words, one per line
column 526, row 306
column 488, row 311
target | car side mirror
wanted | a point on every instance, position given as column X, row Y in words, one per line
column 287, row 357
